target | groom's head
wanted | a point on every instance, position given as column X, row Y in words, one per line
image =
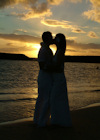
column 47, row 37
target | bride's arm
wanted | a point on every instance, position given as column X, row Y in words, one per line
column 49, row 66
column 58, row 62
column 59, row 58
column 55, row 64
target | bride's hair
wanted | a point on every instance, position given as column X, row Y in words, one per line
column 62, row 41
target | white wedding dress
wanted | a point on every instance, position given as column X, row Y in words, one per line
column 60, row 114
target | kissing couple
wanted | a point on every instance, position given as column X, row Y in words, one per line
column 52, row 102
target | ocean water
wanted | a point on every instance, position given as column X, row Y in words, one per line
column 18, row 87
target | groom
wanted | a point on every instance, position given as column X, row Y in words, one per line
column 45, row 55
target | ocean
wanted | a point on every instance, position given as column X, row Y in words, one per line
column 19, row 89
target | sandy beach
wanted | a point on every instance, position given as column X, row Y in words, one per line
column 86, row 126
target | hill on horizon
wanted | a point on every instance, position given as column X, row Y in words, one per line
column 13, row 56
column 85, row 59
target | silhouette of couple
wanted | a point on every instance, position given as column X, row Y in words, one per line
column 52, row 102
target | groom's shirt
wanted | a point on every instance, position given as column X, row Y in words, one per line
column 45, row 56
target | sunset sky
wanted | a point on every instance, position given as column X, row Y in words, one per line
column 22, row 23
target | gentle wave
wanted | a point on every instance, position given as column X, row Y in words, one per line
column 5, row 93
column 85, row 91
column 14, row 100
column 98, row 90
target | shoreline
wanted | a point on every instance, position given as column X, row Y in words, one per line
column 88, row 106
column 16, row 121
column 31, row 118
column 85, row 121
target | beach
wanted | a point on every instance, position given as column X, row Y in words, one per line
column 18, row 93
column 86, row 126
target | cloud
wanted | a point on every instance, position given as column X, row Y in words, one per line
column 56, row 23
column 35, row 12
column 62, row 24
column 16, row 49
column 94, row 12
column 5, row 3
column 21, row 38
column 71, row 37
column 92, row 34
column 75, row 1
column 75, row 48
column 9, row 44
column 20, row 30
column 95, row 2
column 24, row 44
column 55, row 2
column 32, row 9
column 77, row 30
column 81, row 46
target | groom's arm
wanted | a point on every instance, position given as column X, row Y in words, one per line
column 46, row 66
column 50, row 66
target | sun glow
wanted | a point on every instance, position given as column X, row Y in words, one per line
column 34, row 49
column 53, row 48
column 36, row 46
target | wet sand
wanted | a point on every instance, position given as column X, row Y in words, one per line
column 86, row 126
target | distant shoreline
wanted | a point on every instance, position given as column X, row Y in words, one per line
column 12, row 56
column 81, row 59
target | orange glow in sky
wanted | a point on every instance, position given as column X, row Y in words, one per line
column 22, row 23
column 35, row 49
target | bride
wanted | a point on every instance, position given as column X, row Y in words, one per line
column 60, row 114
